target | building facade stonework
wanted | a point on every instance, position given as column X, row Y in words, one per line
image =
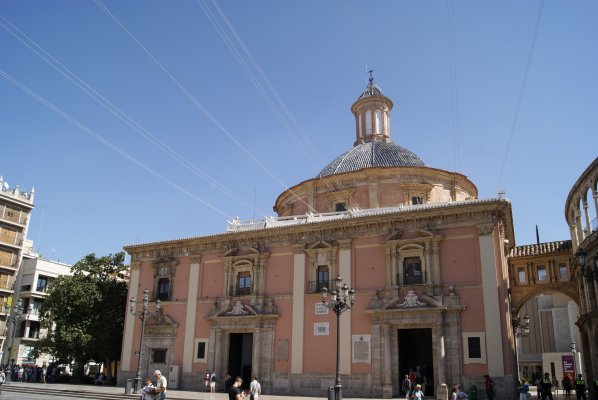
column 426, row 257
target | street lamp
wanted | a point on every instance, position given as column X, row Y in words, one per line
column 16, row 315
column 341, row 300
column 143, row 313
column 592, row 271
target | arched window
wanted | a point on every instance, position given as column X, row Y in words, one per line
column 378, row 122
column 368, row 123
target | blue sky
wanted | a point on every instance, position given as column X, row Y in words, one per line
column 189, row 92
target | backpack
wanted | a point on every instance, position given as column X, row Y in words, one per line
column 213, row 378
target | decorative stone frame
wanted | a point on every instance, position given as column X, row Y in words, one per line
column 422, row 190
column 247, row 259
column 339, row 196
column 321, row 253
column 466, row 358
column 164, row 267
column 425, row 246
column 206, row 342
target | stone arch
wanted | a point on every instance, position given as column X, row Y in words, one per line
column 536, row 290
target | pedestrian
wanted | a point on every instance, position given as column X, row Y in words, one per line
column 489, row 386
column 566, row 383
column 580, row 388
column 460, row 393
column 213, row 379
column 523, row 390
column 255, row 389
column 417, row 393
column 206, row 380
column 160, row 384
column 595, row 384
column 454, row 393
column 545, row 387
column 44, row 373
column 235, row 393
column 228, row 383
column 149, row 390
column 407, row 386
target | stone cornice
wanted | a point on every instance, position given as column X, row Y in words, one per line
column 453, row 215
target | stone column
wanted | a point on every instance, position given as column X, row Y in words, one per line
column 129, row 330
column 344, row 262
column 191, row 313
column 298, row 309
column 441, row 357
column 387, row 360
column 257, row 352
column 491, row 301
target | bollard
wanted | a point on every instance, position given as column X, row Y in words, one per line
column 129, row 386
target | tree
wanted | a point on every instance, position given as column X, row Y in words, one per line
column 84, row 313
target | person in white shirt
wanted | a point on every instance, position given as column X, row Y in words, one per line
column 160, row 384
column 255, row 389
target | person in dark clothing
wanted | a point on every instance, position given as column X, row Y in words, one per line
column 228, row 382
column 566, row 382
column 235, row 393
column 489, row 386
column 595, row 384
column 546, row 387
column 580, row 388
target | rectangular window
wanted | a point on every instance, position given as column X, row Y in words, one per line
column 563, row 273
column 521, row 275
column 163, row 289
column 201, row 350
column 42, row 284
column 415, row 200
column 338, row 207
column 542, row 277
column 323, row 278
column 159, row 356
column 244, row 283
column 474, row 347
column 412, row 271
column 6, row 258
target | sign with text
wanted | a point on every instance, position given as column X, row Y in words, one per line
column 321, row 309
column 568, row 365
column 321, row 329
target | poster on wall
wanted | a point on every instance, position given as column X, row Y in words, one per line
column 321, row 329
column 361, row 348
column 568, row 365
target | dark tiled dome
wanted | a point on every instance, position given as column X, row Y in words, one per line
column 372, row 155
column 371, row 91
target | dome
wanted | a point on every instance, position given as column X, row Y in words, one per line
column 372, row 155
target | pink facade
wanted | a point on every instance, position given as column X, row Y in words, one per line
column 425, row 256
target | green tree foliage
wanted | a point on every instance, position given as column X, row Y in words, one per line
column 87, row 311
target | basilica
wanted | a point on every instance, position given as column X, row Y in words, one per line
column 426, row 258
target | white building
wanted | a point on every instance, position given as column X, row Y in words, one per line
column 35, row 277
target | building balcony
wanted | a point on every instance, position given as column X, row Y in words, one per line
column 240, row 291
column 316, row 286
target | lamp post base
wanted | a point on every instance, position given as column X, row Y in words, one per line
column 137, row 385
column 338, row 392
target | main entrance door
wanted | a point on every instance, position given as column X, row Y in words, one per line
column 415, row 352
column 240, row 353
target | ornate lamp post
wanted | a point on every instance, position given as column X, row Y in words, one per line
column 142, row 313
column 341, row 300
column 592, row 271
column 16, row 315
column 522, row 328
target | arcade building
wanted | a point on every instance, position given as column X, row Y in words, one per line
column 427, row 259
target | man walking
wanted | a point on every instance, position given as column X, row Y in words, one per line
column 546, row 387
column 235, row 392
column 580, row 388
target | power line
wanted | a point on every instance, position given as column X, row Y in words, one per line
column 107, row 143
column 193, row 100
column 521, row 91
column 90, row 91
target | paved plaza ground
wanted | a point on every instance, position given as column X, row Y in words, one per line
column 114, row 392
